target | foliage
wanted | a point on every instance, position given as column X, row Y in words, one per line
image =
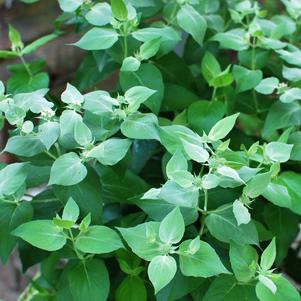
column 182, row 182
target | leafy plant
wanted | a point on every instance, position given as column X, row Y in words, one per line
column 182, row 182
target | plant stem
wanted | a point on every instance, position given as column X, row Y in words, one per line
column 80, row 257
column 202, row 226
column 49, row 154
column 253, row 65
column 214, row 94
column 25, row 65
column 125, row 46
column 58, row 150
column 206, row 199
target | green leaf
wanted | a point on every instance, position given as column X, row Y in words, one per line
column 274, row 44
column 229, row 176
column 282, row 115
column 168, row 35
column 203, row 115
column 278, row 195
column 291, row 95
column 137, row 95
column 85, row 223
column 148, row 76
column 243, row 259
column 291, row 74
column 70, row 5
column 161, row 271
column 290, row 180
column 143, row 239
column 22, row 82
column 2, row 88
column 224, row 79
column 98, row 39
column 177, row 163
column 267, row 85
column 89, row 280
column 210, row 67
column 172, row 227
column 203, row 263
column 82, row 134
column 67, row 170
column 42, row 234
column 195, row 152
column 72, row 96
column 268, row 256
column 131, row 288
column 235, row 39
column 268, row 283
column 226, row 288
column 179, row 196
column 149, row 49
column 241, row 213
column 71, row 211
column 119, row 9
column 222, row 128
column 241, row 73
column 257, row 185
column 14, row 37
column 12, row 177
column 12, row 215
column 130, row 64
column 291, row 57
column 140, row 126
column 100, row 14
column 87, row 195
column 192, row 22
column 223, row 226
column 99, row 102
column 177, row 98
column 5, row 54
column 285, row 291
column 33, row 101
column 98, row 240
column 278, row 151
column 283, row 224
column 110, row 151
column 32, row 47
column 68, row 120
column 49, row 133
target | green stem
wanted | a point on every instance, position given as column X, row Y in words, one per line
column 58, row 149
column 214, row 94
column 253, row 65
column 25, row 65
column 205, row 200
column 125, row 46
column 80, row 257
column 255, row 101
column 49, row 154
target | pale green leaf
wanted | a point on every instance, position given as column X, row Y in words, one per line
column 161, row 271
column 98, row 240
column 42, row 234
column 172, row 227
column 67, row 170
